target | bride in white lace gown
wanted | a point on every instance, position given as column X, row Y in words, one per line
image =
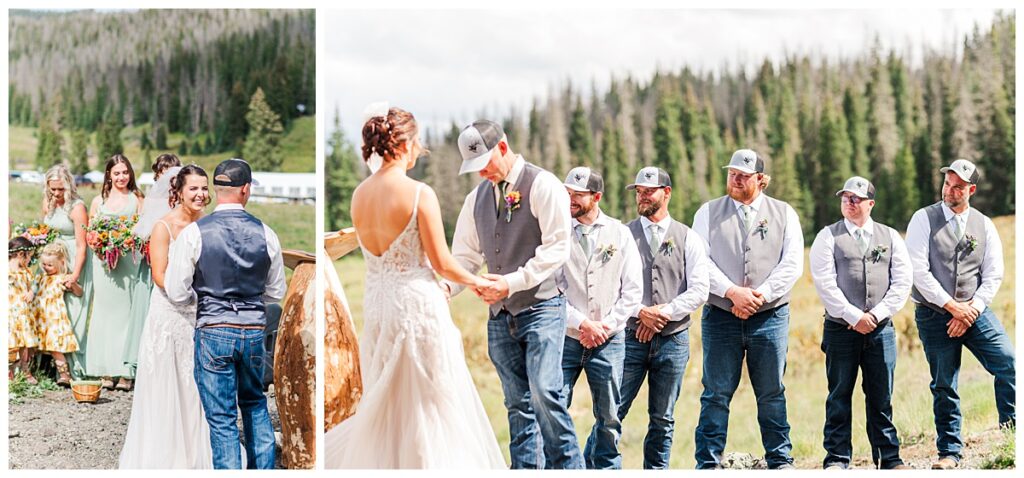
column 167, row 428
column 420, row 408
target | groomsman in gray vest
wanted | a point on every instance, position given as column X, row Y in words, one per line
column 863, row 275
column 675, row 283
column 958, row 267
column 602, row 286
column 517, row 222
column 757, row 254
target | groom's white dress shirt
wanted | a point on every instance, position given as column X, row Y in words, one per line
column 549, row 203
column 181, row 264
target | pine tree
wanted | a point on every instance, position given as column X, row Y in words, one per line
column 262, row 146
column 144, row 142
column 183, row 147
column 857, row 127
column 51, row 141
column 79, row 152
column 581, row 145
column 161, row 138
column 342, row 178
column 612, row 170
column 833, row 159
column 108, row 138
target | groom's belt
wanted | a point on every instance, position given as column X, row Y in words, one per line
column 234, row 326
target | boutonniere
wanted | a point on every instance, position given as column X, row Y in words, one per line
column 878, row 252
column 972, row 242
column 762, row 228
column 606, row 252
column 667, row 247
column 512, row 200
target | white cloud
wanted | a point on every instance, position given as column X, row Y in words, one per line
column 455, row 64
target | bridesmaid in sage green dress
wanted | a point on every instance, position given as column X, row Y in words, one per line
column 64, row 211
column 112, row 313
column 144, row 280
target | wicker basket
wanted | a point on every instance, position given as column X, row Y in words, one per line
column 86, row 391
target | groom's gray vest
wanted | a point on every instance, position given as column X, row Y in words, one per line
column 952, row 262
column 664, row 270
column 864, row 278
column 508, row 245
column 745, row 257
column 231, row 272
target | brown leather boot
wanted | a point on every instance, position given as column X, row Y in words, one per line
column 945, row 463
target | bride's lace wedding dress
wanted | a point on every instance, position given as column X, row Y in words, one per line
column 167, row 428
column 420, row 408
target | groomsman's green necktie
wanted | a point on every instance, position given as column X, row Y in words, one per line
column 655, row 238
column 958, row 228
column 862, row 241
column 501, row 193
column 584, row 231
column 748, row 216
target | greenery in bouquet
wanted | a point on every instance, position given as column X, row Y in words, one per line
column 37, row 233
column 111, row 238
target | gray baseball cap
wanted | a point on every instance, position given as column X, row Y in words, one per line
column 476, row 143
column 651, row 177
column 859, row 187
column 746, row 160
column 965, row 169
column 582, row 178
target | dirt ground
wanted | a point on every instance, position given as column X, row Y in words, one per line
column 56, row 432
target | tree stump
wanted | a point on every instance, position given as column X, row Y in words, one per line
column 343, row 386
column 295, row 365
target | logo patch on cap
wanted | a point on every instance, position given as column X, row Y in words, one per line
column 578, row 177
column 748, row 160
column 649, row 175
column 860, row 184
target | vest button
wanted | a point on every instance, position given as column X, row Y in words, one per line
column 497, row 235
column 747, row 249
column 497, row 251
column 497, row 268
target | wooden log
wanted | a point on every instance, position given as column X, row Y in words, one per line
column 295, row 366
column 343, row 386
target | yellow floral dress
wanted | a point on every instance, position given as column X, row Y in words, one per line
column 54, row 326
column 21, row 321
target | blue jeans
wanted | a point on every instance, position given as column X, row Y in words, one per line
column 763, row 339
column 228, row 372
column 603, row 365
column 846, row 352
column 988, row 341
column 663, row 361
column 526, row 350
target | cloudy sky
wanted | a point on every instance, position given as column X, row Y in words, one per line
column 445, row 65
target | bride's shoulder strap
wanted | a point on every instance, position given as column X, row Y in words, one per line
column 416, row 199
column 170, row 232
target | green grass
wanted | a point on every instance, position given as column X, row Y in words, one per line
column 1003, row 457
column 293, row 223
column 805, row 378
column 298, row 147
column 19, row 389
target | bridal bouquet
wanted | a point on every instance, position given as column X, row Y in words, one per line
column 37, row 233
column 111, row 237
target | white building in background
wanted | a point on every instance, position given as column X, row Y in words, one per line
column 273, row 187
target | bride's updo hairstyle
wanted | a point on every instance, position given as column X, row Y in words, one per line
column 178, row 182
column 385, row 135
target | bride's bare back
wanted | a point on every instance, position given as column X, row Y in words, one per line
column 381, row 209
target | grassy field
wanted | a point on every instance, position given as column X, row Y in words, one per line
column 294, row 224
column 298, row 146
column 805, row 378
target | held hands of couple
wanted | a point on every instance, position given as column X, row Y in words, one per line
column 964, row 315
column 745, row 301
column 492, row 288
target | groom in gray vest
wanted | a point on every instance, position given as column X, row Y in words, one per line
column 232, row 264
column 675, row 283
column 958, row 267
column 757, row 250
column 863, row 275
column 517, row 221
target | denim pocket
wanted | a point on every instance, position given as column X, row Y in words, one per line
column 215, row 353
column 681, row 338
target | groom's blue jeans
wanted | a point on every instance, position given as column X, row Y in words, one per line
column 527, row 352
column 603, row 365
column 988, row 341
column 228, row 371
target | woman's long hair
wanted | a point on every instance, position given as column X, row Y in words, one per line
column 108, row 183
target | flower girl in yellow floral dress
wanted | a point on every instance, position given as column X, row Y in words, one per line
column 21, row 327
column 54, row 327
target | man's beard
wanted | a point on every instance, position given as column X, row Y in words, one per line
column 582, row 210
column 741, row 195
column 951, row 204
column 648, row 210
